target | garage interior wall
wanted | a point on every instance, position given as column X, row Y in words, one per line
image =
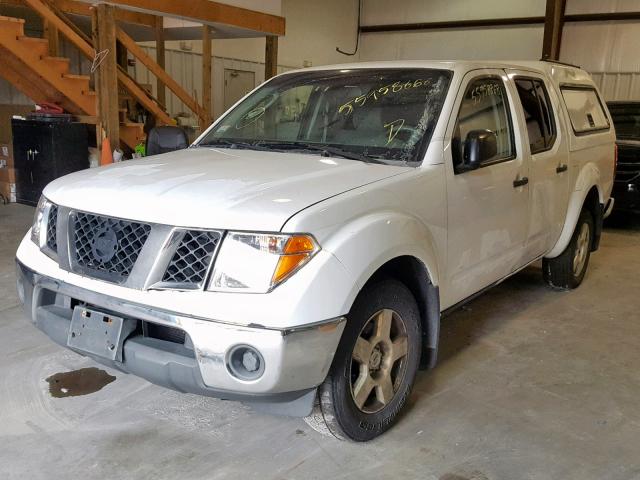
column 314, row 30
column 606, row 49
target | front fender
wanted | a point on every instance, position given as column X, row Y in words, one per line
column 588, row 178
column 367, row 243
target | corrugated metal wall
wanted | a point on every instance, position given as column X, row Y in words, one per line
column 618, row 85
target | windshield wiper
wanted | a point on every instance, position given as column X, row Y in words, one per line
column 325, row 150
column 234, row 145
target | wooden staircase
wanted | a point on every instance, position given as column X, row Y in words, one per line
column 27, row 65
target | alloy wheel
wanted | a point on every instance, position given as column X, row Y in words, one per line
column 582, row 250
column 378, row 361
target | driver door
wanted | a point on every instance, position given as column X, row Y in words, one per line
column 487, row 206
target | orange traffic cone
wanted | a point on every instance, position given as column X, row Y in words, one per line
column 106, row 156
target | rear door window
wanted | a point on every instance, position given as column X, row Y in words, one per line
column 535, row 103
column 585, row 109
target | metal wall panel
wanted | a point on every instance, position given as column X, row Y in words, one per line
column 618, row 85
column 186, row 69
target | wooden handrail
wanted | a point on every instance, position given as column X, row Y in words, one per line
column 143, row 97
column 130, row 44
column 45, row 12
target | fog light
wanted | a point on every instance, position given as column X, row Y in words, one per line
column 245, row 362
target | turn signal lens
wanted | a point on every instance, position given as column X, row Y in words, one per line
column 296, row 252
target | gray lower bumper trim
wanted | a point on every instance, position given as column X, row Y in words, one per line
column 160, row 362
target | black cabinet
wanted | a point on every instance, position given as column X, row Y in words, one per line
column 44, row 150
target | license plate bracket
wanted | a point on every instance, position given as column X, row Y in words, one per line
column 99, row 333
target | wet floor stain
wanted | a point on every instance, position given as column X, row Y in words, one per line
column 78, row 382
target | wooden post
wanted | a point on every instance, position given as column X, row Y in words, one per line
column 206, row 76
column 160, row 60
column 553, row 24
column 271, row 57
column 51, row 34
column 104, row 39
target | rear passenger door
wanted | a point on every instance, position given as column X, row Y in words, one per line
column 487, row 207
column 546, row 150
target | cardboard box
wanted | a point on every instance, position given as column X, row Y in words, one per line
column 8, row 191
column 8, row 175
column 6, row 155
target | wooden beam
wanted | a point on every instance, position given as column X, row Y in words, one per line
column 497, row 22
column 104, row 38
column 206, row 76
column 161, row 74
column 50, row 32
column 84, row 9
column 553, row 23
column 270, row 57
column 205, row 11
column 161, row 94
column 452, row 24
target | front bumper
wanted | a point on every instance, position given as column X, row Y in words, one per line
column 296, row 359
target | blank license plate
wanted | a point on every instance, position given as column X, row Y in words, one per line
column 97, row 333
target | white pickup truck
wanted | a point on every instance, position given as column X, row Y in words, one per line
column 299, row 255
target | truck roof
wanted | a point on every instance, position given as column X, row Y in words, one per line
column 560, row 72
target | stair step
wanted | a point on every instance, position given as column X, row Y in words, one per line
column 38, row 45
column 11, row 19
column 24, row 38
column 59, row 64
column 73, row 76
column 57, row 59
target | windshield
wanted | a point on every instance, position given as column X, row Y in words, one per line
column 626, row 119
column 386, row 116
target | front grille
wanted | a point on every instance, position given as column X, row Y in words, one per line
column 190, row 262
column 106, row 247
column 162, row 332
column 52, row 228
column 628, row 164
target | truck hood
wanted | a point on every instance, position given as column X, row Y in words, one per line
column 214, row 188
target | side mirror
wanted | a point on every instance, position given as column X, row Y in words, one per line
column 479, row 146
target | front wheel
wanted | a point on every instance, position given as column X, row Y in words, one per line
column 375, row 365
column 567, row 270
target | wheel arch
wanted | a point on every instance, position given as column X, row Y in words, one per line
column 398, row 245
column 587, row 194
column 413, row 274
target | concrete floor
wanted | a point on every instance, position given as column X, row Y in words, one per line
column 531, row 384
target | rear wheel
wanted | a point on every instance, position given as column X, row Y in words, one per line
column 375, row 365
column 567, row 271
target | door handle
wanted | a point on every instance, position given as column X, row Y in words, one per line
column 562, row 168
column 520, row 183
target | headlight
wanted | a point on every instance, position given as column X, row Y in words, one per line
column 38, row 229
column 258, row 262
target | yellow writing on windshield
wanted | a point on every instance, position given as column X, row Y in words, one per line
column 377, row 93
column 394, row 127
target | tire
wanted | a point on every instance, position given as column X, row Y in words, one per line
column 567, row 271
column 370, row 360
